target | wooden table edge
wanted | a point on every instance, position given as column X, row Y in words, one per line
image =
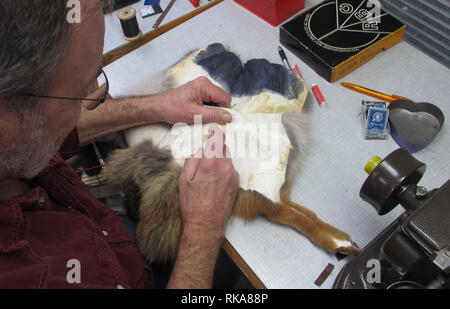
column 128, row 47
column 243, row 266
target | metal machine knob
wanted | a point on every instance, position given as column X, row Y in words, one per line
column 389, row 178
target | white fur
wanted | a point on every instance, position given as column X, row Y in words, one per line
column 263, row 174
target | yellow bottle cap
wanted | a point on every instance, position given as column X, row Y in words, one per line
column 370, row 166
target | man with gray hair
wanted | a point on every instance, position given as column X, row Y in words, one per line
column 53, row 232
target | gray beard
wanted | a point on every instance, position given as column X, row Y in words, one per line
column 32, row 149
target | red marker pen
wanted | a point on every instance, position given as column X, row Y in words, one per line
column 297, row 70
column 319, row 97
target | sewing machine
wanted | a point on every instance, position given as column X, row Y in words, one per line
column 414, row 251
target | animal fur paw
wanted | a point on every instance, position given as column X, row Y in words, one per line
column 347, row 247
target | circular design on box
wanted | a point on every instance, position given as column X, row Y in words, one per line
column 349, row 30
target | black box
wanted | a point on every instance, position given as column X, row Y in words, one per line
column 337, row 36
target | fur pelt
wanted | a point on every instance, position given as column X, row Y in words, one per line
column 154, row 177
column 149, row 174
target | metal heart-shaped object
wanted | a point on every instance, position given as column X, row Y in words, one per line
column 414, row 125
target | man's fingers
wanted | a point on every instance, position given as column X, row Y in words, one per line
column 191, row 164
column 214, row 144
column 226, row 151
column 211, row 114
column 215, row 115
column 213, row 93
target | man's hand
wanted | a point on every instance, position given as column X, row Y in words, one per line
column 174, row 106
column 208, row 189
column 183, row 103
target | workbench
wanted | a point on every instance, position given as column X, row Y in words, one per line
column 331, row 173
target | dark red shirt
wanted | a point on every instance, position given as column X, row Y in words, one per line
column 44, row 231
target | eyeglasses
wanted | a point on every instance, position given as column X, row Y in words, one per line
column 89, row 104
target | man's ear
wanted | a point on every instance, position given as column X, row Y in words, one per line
column 10, row 125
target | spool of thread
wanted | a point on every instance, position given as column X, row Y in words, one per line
column 130, row 26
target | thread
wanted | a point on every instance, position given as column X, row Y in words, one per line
column 130, row 26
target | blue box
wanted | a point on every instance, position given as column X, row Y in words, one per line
column 375, row 120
